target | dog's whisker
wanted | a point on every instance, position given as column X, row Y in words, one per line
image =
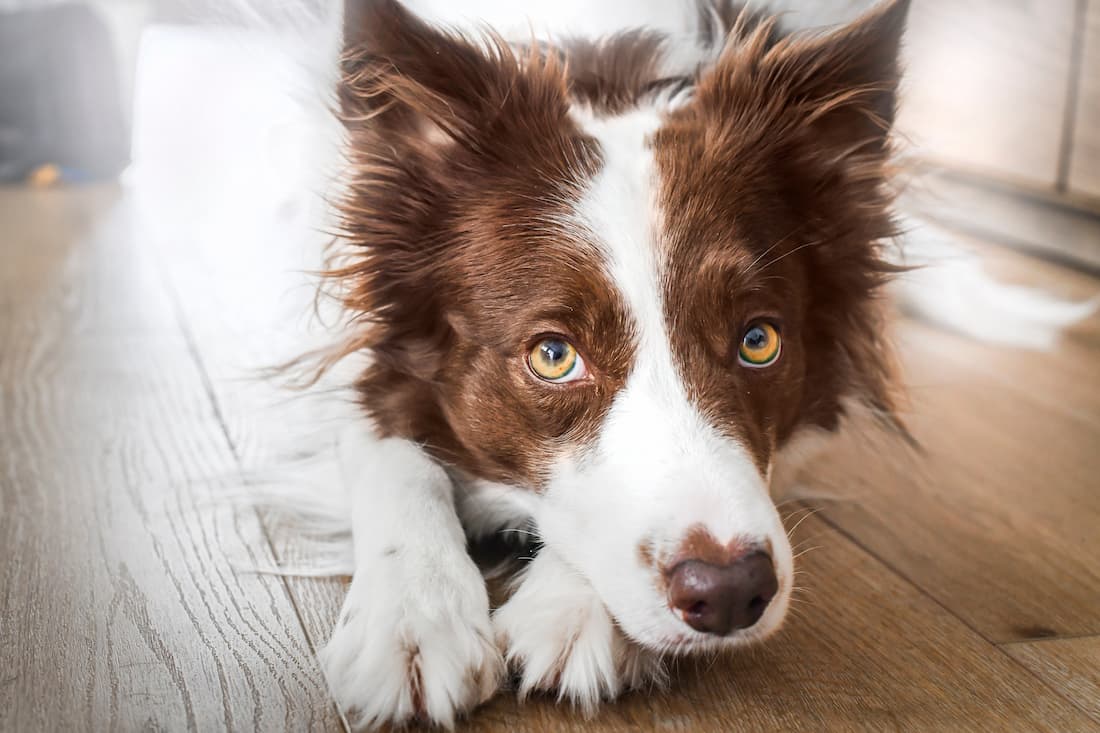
column 812, row 511
column 807, row 540
column 517, row 530
column 800, row 553
column 793, row 251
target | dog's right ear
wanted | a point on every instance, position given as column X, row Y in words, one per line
column 404, row 75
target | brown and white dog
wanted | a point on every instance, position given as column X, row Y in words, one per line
column 604, row 289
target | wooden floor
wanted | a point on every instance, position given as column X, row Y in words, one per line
column 958, row 591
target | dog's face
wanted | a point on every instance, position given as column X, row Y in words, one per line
column 624, row 292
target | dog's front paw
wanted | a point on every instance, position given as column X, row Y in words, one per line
column 558, row 637
column 398, row 655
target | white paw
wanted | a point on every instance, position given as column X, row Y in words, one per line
column 413, row 651
column 557, row 635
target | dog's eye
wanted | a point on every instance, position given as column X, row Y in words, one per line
column 760, row 345
column 555, row 360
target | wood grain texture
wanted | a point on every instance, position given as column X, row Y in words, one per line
column 1084, row 177
column 805, row 681
column 864, row 652
column 987, row 83
column 238, row 277
column 1004, row 497
column 1071, row 666
column 119, row 608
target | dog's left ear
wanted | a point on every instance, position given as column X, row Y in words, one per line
column 845, row 83
column 418, row 86
column 834, row 93
column 812, row 113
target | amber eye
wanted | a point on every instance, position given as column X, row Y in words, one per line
column 555, row 360
column 760, row 345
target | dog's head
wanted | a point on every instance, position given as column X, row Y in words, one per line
column 621, row 289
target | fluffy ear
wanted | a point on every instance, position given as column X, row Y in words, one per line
column 845, row 83
column 835, row 92
column 403, row 74
column 811, row 115
column 841, row 89
column 399, row 72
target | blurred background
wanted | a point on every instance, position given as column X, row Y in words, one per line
column 1002, row 99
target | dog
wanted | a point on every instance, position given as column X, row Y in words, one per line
column 604, row 286
column 600, row 292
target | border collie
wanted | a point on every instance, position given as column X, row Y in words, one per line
column 605, row 288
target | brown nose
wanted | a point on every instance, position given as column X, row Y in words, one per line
column 716, row 599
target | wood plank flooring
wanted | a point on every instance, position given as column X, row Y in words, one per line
column 120, row 607
column 1071, row 666
column 957, row 590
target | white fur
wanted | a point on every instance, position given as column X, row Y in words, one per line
column 661, row 468
column 558, row 632
column 800, row 449
column 951, row 288
column 415, row 623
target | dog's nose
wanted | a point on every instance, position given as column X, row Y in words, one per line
column 716, row 599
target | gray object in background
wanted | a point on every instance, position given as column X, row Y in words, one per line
column 59, row 94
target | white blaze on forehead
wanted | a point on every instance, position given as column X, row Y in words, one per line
column 653, row 416
column 658, row 469
column 620, row 210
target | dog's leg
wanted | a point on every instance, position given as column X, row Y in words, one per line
column 413, row 641
column 558, row 636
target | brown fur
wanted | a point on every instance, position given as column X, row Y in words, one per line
column 618, row 73
column 777, row 205
column 463, row 158
column 700, row 544
column 457, row 264
column 615, row 74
